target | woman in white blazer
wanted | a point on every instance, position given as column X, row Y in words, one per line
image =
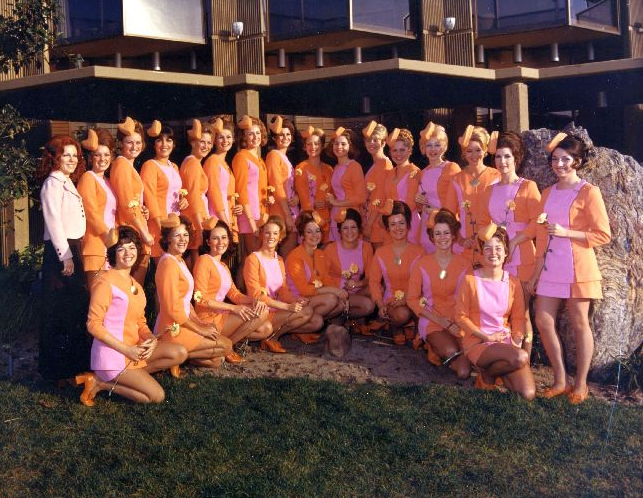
column 64, row 342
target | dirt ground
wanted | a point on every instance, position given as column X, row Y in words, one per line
column 374, row 360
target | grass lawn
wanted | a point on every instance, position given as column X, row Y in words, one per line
column 272, row 438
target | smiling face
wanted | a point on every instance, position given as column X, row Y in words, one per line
column 474, row 153
column 400, row 152
column 68, row 160
column 126, row 255
column 284, row 139
column 374, row 145
column 562, row 162
column 493, row 253
column 312, row 234
column 434, row 149
column 505, row 161
column 341, row 147
column 224, row 141
column 349, row 231
column 397, row 227
column 202, row 147
column 252, row 137
column 163, row 147
column 131, row 146
column 313, row 146
column 442, row 236
column 178, row 240
column 270, row 235
column 101, row 159
column 218, row 241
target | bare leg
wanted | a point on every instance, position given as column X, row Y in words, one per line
column 360, row 306
column 501, row 359
column 209, row 349
column 166, row 355
column 522, row 382
column 579, row 316
column 236, row 329
column 546, row 311
column 263, row 332
column 446, row 345
column 139, row 386
column 324, row 304
column 529, row 330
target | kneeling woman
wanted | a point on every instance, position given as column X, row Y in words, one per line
column 177, row 322
column 308, row 273
column 247, row 317
column 125, row 352
column 392, row 266
column 491, row 311
column 265, row 277
column 433, row 287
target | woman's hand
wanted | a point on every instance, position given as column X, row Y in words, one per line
column 531, row 285
column 398, row 302
column 237, row 210
column 320, row 204
column 253, row 226
column 498, row 336
column 149, row 345
column 557, row 230
column 145, row 212
column 135, row 352
column 382, row 311
column 468, row 243
column 244, row 312
column 183, row 203
column 290, row 223
column 68, row 267
column 259, row 308
column 330, row 199
column 296, row 307
column 454, row 330
column 147, row 239
column 421, row 199
column 293, row 201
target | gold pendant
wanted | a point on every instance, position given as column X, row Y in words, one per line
column 443, row 274
column 475, row 182
column 398, row 260
column 133, row 290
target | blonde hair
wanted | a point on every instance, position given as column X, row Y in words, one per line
column 405, row 136
column 380, row 132
column 440, row 135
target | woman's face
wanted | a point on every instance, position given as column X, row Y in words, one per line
column 442, row 236
column 224, row 141
column 349, row 231
column 68, row 160
column 474, row 153
column 218, row 241
column 253, row 137
column 373, row 144
column 101, row 159
column 178, row 240
column 270, row 234
column 505, row 161
column 203, row 147
column 341, row 147
column 493, row 253
column 284, row 139
column 397, row 227
column 163, row 147
column 562, row 162
column 131, row 146
column 312, row 234
column 434, row 149
column 126, row 255
column 400, row 152
column 313, row 146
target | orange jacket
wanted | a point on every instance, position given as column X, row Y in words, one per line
column 255, row 277
column 240, row 169
column 297, row 260
column 398, row 275
column 334, row 264
column 94, row 201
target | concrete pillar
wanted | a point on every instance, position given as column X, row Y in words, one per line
column 16, row 229
column 247, row 102
column 515, row 107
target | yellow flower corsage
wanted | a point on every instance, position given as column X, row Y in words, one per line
column 197, row 296
column 312, row 178
column 298, row 172
column 174, row 329
column 511, row 205
column 370, row 186
column 542, row 218
column 353, row 268
column 347, row 274
column 376, row 202
column 271, row 189
column 133, row 204
column 399, row 295
column 423, row 302
column 183, row 192
column 466, row 204
column 317, row 283
column 414, row 173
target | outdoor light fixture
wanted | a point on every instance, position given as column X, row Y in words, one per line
column 282, row 58
column 366, row 105
column 156, row 61
column 480, row 54
column 449, row 25
column 77, row 60
column 517, row 53
column 358, row 55
column 555, row 57
column 319, row 57
column 638, row 27
column 237, row 29
column 591, row 55
column 118, row 59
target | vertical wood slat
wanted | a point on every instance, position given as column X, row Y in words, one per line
column 636, row 39
column 453, row 48
column 30, row 70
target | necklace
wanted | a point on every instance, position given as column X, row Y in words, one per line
column 443, row 268
column 398, row 257
column 133, row 289
column 476, row 179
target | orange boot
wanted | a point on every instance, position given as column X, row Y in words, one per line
column 272, row 345
column 234, row 357
column 87, row 396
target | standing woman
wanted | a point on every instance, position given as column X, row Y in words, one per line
column 491, row 312
column 435, row 178
column 348, row 183
column 465, row 193
column 128, row 187
column 99, row 202
column 514, row 203
column 222, row 197
column 391, row 270
column 265, row 278
column 177, row 322
column 251, row 179
column 281, row 176
column 404, row 180
column 313, row 179
column 348, row 260
column 196, row 183
column 124, row 351
column 434, row 284
column 375, row 136
column 246, row 317
column 566, row 268
column 307, row 272
column 162, row 183
column 63, row 341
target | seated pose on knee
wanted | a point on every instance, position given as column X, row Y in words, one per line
column 177, row 322
column 247, row 317
column 348, row 260
column 391, row 271
column 433, row 287
column 307, row 273
column 490, row 310
column 566, row 268
column 125, row 352
column 265, row 277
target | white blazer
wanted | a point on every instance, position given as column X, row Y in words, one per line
column 63, row 210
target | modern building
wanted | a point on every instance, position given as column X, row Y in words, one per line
column 510, row 64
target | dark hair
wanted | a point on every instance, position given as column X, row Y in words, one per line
column 399, row 207
column 302, row 220
column 513, row 142
column 51, row 154
column 576, row 148
column 447, row 217
column 241, row 134
column 277, row 220
column 351, row 137
column 167, row 132
column 205, row 247
column 126, row 235
column 165, row 232
column 352, row 214
column 285, row 123
column 500, row 234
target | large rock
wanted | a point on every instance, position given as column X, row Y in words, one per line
column 616, row 319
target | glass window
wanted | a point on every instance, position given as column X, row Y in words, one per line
column 383, row 14
column 83, row 20
column 297, row 18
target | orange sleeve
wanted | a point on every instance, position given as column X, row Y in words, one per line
column 541, row 229
column 297, row 272
column 415, row 288
column 598, row 230
column 533, row 208
column 149, row 177
column 452, row 202
column 95, row 217
column 276, row 177
column 465, row 304
column 332, row 262
column 444, row 182
column 357, row 184
column 321, row 265
column 215, row 195
column 284, row 293
column 301, row 186
column 121, row 181
column 190, row 181
column 235, row 294
column 240, row 171
column 101, row 298
column 517, row 318
column 484, row 216
column 201, row 273
column 367, row 254
column 414, row 185
column 375, row 279
column 167, row 277
column 252, row 277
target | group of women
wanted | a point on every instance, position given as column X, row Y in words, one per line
column 443, row 256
